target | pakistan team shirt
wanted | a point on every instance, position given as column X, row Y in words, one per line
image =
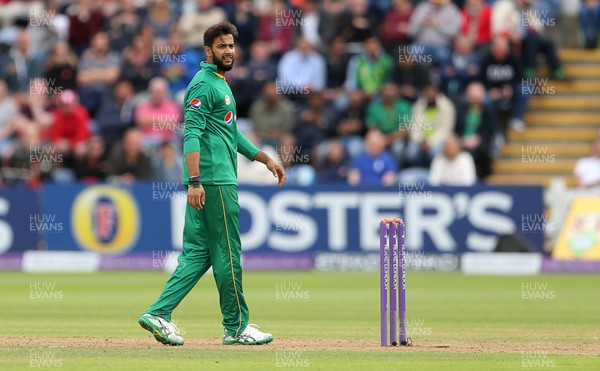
column 211, row 128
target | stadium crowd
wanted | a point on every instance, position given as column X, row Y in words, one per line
column 353, row 91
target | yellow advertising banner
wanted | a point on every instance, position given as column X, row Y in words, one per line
column 580, row 234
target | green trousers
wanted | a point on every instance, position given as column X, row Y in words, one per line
column 211, row 237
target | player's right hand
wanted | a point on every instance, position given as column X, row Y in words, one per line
column 196, row 197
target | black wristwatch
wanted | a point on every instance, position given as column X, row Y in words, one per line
column 194, row 182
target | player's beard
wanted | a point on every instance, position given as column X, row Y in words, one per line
column 220, row 65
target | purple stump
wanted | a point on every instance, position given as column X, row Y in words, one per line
column 383, row 280
column 402, row 296
column 394, row 282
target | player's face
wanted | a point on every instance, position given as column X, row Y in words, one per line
column 223, row 52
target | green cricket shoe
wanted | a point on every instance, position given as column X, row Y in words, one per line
column 164, row 331
column 251, row 336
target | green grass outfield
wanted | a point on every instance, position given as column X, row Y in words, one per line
column 319, row 320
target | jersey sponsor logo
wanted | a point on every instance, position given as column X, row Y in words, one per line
column 105, row 219
column 227, row 100
column 195, row 103
column 228, row 118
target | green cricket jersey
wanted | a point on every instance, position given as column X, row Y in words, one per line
column 211, row 128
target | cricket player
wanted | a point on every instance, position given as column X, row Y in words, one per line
column 211, row 235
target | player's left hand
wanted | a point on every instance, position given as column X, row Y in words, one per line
column 277, row 171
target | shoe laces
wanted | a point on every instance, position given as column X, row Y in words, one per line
column 252, row 329
column 169, row 326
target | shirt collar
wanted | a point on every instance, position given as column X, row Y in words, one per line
column 212, row 68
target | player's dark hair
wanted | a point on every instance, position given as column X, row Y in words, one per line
column 218, row 30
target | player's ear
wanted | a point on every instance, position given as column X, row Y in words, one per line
column 207, row 51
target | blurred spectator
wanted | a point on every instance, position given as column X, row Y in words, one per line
column 8, row 109
column 295, row 162
column 253, row 172
column 272, row 116
column 316, row 122
column 395, row 25
column 160, row 20
column 589, row 21
column 12, row 11
column 380, row 6
column 158, row 117
column 452, row 167
column 37, row 108
column 99, row 68
column 21, row 167
column 390, row 115
column 192, row 25
column 476, row 125
column 138, row 63
column 91, row 167
column 350, row 127
column 167, row 164
column 47, row 27
column 500, row 73
column 587, row 169
column 337, row 66
column 246, row 22
column 300, row 69
column 434, row 117
column 85, row 20
column 462, row 69
column 549, row 12
column 477, row 22
column 310, row 23
column 21, row 64
column 570, row 27
column 376, row 165
column 335, row 167
column 128, row 162
column 61, row 68
column 410, row 77
column 276, row 28
column 124, row 25
column 116, row 114
column 433, row 26
column 332, row 14
column 535, row 42
column 71, row 129
column 370, row 70
column 227, row 5
column 358, row 24
column 178, row 64
column 506, row 21
column 261, row 67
